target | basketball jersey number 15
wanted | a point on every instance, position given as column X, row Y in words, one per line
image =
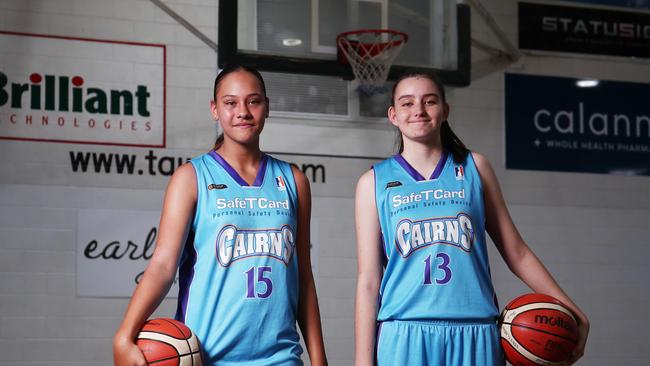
column 251, row 282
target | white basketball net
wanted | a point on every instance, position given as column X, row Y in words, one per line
column 371, row 54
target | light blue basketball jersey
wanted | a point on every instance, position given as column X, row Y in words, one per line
column 433, row 233
column 239, row 273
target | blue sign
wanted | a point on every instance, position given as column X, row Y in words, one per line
column 555, row 125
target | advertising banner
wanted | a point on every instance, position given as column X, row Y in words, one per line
column 553, row 124
column 584, row 30
column 76, row 90
column 113, row 249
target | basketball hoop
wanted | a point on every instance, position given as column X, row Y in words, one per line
column 370, row 53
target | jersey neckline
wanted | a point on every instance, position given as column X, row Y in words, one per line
column 408, row 168
column 259, row 179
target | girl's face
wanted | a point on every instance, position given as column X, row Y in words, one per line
column 418, row 110
column 241, row 107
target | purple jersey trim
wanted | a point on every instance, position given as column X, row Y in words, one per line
column 259, row 179
column 185, row 276
column 383, row 246
column 439, row 166
column 377, row 340
column 383, row 241
column 415, row 174
column 261, row 172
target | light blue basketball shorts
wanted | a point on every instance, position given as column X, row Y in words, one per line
column 439, row 343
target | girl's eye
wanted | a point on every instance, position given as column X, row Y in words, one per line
column 229, row 102
column 407, row 104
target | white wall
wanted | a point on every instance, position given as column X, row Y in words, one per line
column 587, row 228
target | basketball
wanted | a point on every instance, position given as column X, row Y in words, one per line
column 537, row 329
column 167, row 342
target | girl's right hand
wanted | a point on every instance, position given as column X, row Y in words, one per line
column 127, row 353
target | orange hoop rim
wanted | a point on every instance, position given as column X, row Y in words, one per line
column 405, row 37
column 370, row 53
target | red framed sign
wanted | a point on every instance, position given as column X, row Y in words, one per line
column 83, row 91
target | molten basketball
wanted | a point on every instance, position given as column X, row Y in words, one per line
column 167, row 342
column 537, row 329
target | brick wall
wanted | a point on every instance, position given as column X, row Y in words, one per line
column 588, row 229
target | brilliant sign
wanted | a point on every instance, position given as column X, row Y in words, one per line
column 81, row 91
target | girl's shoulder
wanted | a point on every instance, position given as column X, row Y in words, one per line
column 367, row 177
column 484, row 168
column 272, row 160
column 480, row 160
column 300, row 179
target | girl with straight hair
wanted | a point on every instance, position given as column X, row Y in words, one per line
column 235, row 222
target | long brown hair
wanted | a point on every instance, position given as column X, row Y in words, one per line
column 450, row 141
column 217, row 81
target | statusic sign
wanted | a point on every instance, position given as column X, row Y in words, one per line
column 554, row 124
column 578, row 29
column 113, row 250
column 81, row 90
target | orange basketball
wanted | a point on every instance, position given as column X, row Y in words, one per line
column 167, row 342
column 537, row 329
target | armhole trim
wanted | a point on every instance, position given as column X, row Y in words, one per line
column 381, row 232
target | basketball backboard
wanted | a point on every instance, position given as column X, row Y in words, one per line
column 299, row 36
